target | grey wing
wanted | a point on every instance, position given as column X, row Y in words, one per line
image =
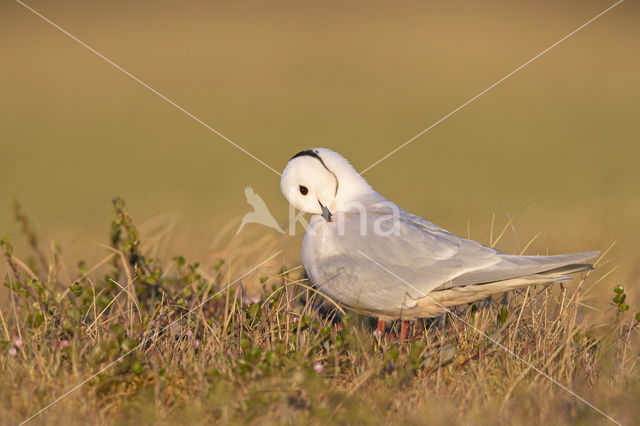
column 513, row 266
column 385, row 268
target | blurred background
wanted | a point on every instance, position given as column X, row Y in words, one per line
column 555, row 146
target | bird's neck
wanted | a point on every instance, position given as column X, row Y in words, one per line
column 354, row 192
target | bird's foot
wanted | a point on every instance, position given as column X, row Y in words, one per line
column 404, row 328
column 380, row 328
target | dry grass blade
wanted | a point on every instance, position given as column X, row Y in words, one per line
column 275, row 347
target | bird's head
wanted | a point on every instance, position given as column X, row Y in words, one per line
column 319, row 181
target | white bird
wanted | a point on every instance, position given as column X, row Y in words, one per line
column 261, row 213
column 373, row 257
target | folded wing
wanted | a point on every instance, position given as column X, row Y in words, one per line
column 375, row 267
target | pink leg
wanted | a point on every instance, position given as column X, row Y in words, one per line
column 404, row 327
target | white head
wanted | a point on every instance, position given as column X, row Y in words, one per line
column 321, row 181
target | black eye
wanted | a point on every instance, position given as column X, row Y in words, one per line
column 303, row 190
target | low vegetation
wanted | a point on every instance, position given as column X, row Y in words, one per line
column 139, row 339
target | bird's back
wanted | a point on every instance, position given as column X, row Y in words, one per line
column 387, row 274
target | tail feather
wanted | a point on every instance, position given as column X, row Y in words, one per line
column 570, row 269
column 460, row 295
column 437, row 302
column 512, row 266
column 511, row 273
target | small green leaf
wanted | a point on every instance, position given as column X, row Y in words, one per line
column 503, row 314
column 218, row 264
column 76, row 290
column 253, row 310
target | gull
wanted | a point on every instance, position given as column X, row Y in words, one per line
column 260, row 213
column 371, row 256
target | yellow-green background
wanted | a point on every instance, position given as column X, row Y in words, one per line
column 560, row 137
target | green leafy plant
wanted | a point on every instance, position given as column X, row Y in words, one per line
column 620, row 299
column 170, row 336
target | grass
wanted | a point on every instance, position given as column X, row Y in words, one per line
column 176, row 342
column 559, row 137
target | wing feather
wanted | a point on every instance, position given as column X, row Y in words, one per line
column 512, row 266
column 421, row 254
